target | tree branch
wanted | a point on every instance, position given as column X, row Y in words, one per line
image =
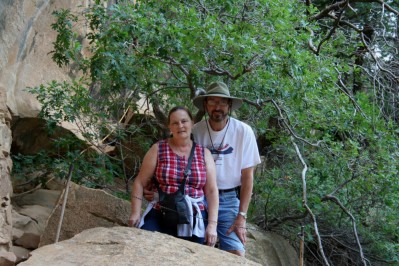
column 305, row 204
column 331, row 8
column 377, row 61
column 277, row 221
column 337, row 201
column 343, row 88
column 332, row 30
column 338, row 5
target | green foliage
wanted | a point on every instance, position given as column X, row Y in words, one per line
column 90, row 169
column 24, row 165
column 163, row 52
column 65, row 45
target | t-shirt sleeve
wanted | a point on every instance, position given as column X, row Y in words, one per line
column 251, row 155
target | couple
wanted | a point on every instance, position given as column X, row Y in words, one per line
column 221, row 171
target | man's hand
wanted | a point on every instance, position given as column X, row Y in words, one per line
column 148, row 193
column 239, row 227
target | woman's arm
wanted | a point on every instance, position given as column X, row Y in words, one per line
column 143, row 179
column 212, row 197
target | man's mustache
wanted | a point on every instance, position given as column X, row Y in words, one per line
column 221, row 112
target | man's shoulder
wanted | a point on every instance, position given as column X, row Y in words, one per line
column 239, row 123
column 199, row 146
column 199, row 125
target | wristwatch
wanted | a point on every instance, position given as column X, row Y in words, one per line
column 243, row 214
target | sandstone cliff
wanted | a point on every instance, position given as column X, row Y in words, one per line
column 25, row 42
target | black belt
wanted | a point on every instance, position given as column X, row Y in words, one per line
column 221, row 191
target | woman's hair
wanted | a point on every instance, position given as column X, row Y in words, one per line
column 177, row 108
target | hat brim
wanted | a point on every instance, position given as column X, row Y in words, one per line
column 199, row 101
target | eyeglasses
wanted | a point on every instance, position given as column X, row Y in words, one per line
column 223, row 102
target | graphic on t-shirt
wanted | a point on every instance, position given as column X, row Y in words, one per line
column 226, row 149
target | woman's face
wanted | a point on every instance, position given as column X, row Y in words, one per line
column 180, row 124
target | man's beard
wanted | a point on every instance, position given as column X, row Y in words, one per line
column 217, row 116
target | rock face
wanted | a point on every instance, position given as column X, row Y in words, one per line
column 6, row 257
column 129, row 246
column 30, row 214
column 26, row 39
column 36, row 214
column 91, row 207
column 268, row 248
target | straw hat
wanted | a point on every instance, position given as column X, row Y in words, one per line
column 217, row 89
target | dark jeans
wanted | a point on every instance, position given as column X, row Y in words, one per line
column 152, row 222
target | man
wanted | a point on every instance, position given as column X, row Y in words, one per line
column 235, row 152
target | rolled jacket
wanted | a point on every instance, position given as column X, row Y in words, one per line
column 185, row 230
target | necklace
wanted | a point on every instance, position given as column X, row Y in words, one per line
column 178, row 149
column 218, row 150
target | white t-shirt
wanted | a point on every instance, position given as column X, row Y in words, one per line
column 234, row 148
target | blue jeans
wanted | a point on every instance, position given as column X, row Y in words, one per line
column 152, row 222
column 228, row 210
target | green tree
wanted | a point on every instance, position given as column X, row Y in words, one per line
column 326, row 122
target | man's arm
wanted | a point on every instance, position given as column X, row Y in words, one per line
column 239, row 226
column 247, row 182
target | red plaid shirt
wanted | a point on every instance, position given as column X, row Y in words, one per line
column 170, row 171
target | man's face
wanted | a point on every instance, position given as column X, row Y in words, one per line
column 217, row 108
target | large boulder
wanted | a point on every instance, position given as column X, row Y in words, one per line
column 129, row 246
column 85, row 208
column 269, row 248
column 37, row 215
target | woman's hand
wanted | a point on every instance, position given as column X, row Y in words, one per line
column 211, row 234
column 134, row 220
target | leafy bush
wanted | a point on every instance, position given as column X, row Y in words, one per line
column 328, row 135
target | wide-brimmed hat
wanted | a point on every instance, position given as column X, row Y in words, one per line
column 217, row 89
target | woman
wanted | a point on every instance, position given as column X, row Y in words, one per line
column 166, row 160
